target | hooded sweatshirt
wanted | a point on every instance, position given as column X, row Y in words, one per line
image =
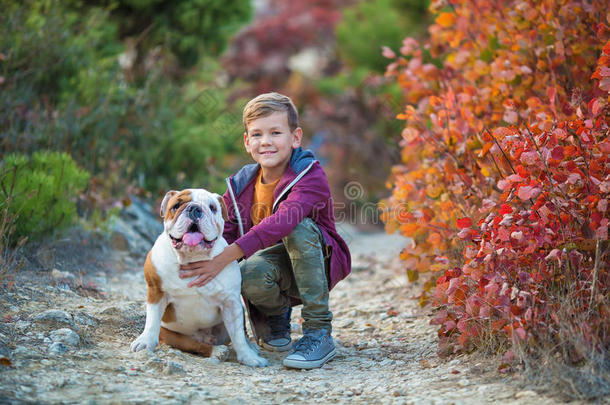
column 302, row 192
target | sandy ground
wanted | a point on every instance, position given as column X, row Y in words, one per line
column 65, row 336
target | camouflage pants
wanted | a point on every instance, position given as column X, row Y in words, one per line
column 294, row 268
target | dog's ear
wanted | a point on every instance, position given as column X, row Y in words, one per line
column 223, row 207
column 169, row 195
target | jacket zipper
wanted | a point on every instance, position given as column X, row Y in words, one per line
column 277, row 200
column 292, row 183
column 235, row 208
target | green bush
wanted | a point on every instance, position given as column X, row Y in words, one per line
column 151, row 123
column 40, row 192
column 190, row 29
column 369, row 25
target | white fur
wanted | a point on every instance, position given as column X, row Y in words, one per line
column 197, row 309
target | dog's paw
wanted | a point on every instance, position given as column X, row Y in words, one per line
column 254, row 346
column 220, row 353
column 145, row 341
column 250, row 358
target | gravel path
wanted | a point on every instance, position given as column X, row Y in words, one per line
column 62, row 344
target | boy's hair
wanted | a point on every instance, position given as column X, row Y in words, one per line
column 268, row 103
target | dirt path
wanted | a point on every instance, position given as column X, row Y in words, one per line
column 386, row 348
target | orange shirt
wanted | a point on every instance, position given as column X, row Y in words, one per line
column 263, row 199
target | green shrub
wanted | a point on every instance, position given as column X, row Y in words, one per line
column 369, row 25
column 40, row 192
column 190, row 29
column 152, row 124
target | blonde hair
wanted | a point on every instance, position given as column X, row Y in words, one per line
column 268, row 103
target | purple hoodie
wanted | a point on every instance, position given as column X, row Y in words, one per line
column 301, row 192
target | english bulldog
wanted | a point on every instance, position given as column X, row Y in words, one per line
column 193, row 319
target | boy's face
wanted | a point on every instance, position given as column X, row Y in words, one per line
column 270, row 142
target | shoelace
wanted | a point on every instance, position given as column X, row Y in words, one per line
column 307, row 344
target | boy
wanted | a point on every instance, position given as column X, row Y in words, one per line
column 281, row 221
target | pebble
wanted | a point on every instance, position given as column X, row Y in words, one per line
column 173, row 367
column 57, row 349
column 526, row 393
column 66, row 336
column 54, row 315
column 25, row 352
column 155, row 364
column 62, row 274
column 22, row 325
column 344, row 323
column 83, row 318
column 463, row 382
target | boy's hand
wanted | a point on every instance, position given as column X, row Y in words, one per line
column 208, row 269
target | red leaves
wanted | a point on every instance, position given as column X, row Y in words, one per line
column 511, row 154
column 464, row 223
column 527, row 192
column 506, row 209
column 557, row 153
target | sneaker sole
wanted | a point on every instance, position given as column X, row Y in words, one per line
column 307, row 364
column 271, row 348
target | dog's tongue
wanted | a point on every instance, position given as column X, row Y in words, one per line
column 192, row 238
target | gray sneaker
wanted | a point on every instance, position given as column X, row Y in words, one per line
column 315, row 348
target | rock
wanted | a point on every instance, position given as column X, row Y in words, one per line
column 344, row 323
column 83, row 318
column 526, row 393
column 173, row 367
column 57, row 349
column 155, row 364
column 22, row 326
column 211, row 361
column 25, row 353
column 112, row 311
column 4, row 349
column 62, row 274
column 220, row 352
column 66, row 336
column 144, row 355
column 56, row 316
column 136, row 228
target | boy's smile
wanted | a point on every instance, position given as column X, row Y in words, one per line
column 270, row 142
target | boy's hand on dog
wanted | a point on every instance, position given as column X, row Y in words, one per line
column 208, row 269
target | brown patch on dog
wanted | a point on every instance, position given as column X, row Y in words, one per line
column 170, row 314
column 223, row 207
column 155, row 293
column 176, row 204
column 184, row 343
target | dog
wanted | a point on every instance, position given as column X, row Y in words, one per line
column 197, row 319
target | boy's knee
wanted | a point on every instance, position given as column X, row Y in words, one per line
column 305, row 239
column 257, row 276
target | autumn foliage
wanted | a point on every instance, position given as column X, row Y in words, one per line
column 504, row 181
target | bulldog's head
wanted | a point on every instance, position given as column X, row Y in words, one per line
column 193, row 218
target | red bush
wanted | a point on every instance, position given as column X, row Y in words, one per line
column 505, row 183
